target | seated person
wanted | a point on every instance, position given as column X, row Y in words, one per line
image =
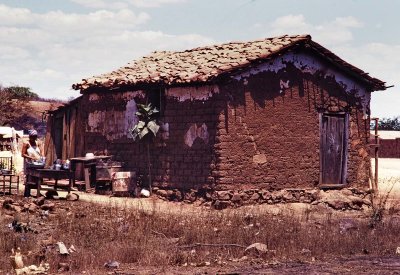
column 31, row 152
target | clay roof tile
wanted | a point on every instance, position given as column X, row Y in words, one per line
column 205, row 63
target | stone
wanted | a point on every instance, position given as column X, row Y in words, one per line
column 170, row 194
column 260, row 158
column 162, row 193
column 190, row 196
column 255, row 197
column 112, row 264
column 224, row 195
column 236, row 198
column 144, row 193
column 257, row 247
column 178, row 195
column 337, row 204
column 32, row 208
column 62, row 249
column 314, row 194
column 51, row 194
column 63, row 267
column 40, row 201
column 72, row 197
column 7, row 202
column 347, row 192
column 48, row 206
column 16, row 208
column 219, row 205
column 287, row 195
column 266, row 195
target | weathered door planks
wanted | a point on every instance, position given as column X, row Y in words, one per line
column 333, row 149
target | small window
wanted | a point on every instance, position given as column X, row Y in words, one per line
column 157, row 99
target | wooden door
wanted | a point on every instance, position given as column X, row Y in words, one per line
column 333, row 149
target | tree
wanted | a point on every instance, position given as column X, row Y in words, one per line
column 14, row 104
column 389, row 124
column 8, row 107
column 146, row 129
column 21, row 93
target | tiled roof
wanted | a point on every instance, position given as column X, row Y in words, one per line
column 205, row 64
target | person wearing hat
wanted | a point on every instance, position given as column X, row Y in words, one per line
column 31, row 152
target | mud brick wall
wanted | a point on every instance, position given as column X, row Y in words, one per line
column 389, row 148
column 259, row 131
column 187, row 157
column 268, row 137
column 178, row 160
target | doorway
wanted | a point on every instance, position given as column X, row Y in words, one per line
column 333, row 149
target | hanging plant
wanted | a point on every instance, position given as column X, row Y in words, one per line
column 146, row 129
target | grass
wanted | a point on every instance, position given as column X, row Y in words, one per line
column 150, row 238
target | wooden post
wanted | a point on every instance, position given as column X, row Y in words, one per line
column 376, row 153
column 376, row 146
column 87, row 179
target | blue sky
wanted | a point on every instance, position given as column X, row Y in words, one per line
column 50, row 44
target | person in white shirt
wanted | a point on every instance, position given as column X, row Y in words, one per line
column 31, row 152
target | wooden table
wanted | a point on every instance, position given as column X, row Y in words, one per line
column 40, row 174
column 89, row 168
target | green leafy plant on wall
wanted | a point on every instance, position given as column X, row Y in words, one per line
column 145, row 130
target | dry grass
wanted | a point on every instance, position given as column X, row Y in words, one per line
column 145, row 238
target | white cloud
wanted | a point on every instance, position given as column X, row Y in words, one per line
column 291, row 22
column 381, row 61
column 332, row 32
column 122, row 4
column 14, row 16
column 153, row 3
column 57, row 49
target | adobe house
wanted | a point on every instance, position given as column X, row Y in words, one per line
column 272, row 114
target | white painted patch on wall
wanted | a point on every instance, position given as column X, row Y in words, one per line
column 113, row 124
column 192, row 93
column 307, row 63
column 130, row 119
column 164, row 130
column 195, row 132
column 283, row 85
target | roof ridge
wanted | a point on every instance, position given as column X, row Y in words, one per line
column 206, row 63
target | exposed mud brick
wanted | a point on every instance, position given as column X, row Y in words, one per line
column 273, row 138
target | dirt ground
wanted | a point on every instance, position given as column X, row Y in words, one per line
column 354, row 265
column 389, row 174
